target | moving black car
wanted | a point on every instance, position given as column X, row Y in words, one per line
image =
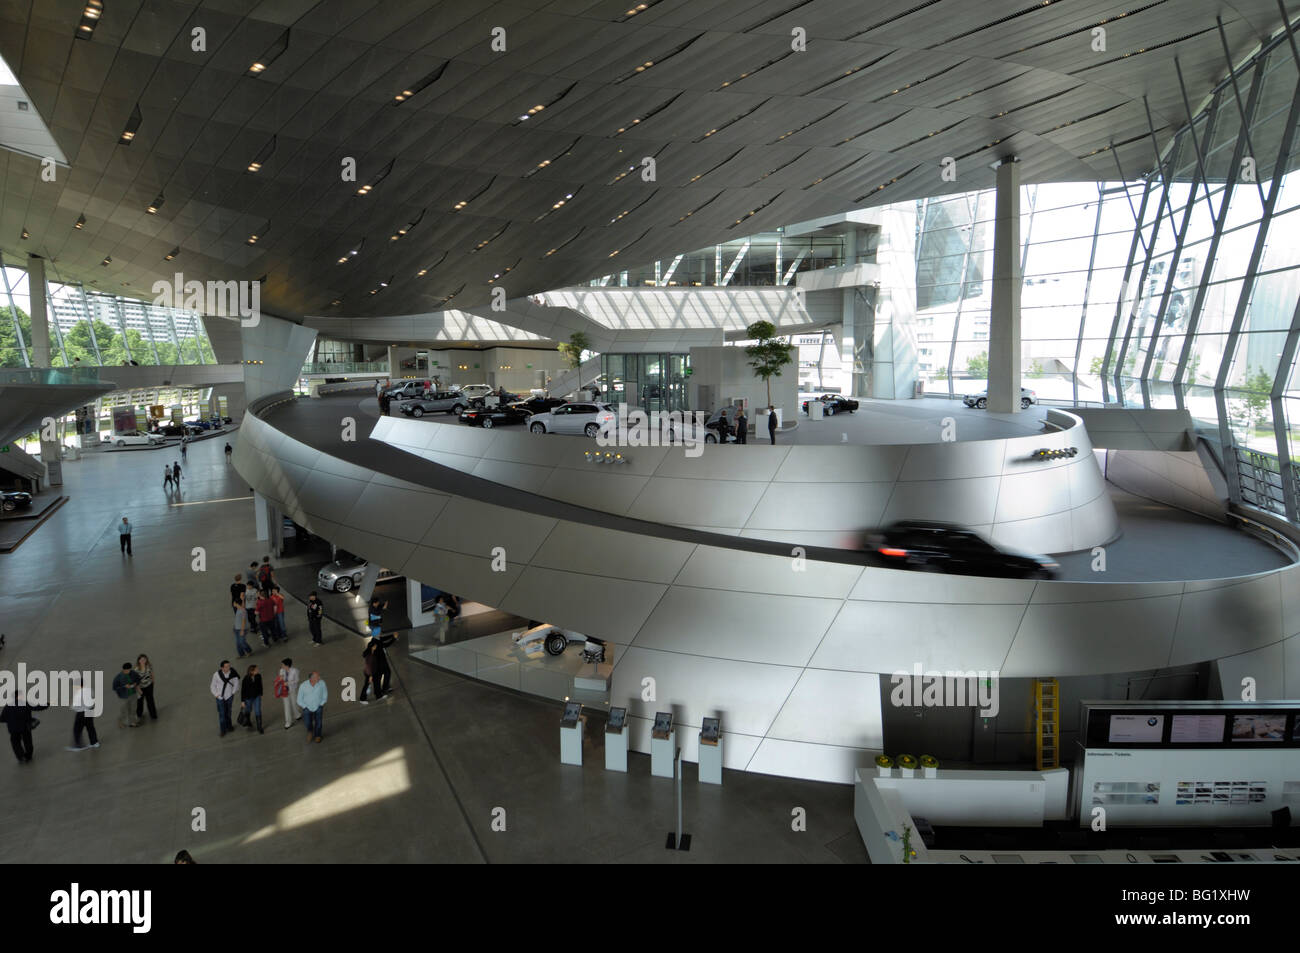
column 941, row 547
column 490, row 417
column 539, row 405
column 834, row 404
column 11, row 500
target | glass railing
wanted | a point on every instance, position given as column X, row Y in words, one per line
column 49, row 375
column 333, row 368
column 522, row 675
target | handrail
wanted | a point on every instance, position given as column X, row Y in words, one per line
column 1279, row 540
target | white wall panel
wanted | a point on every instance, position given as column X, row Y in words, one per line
column 712, row 568
column 821, row 507
column 695, row 503
column 889, row 637
column 1094, row 637
column 1225, row 620
column 603, row 607
column 597, row 551
column 852, row 697
column 812, row 761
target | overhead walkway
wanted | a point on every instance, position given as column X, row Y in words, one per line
column 789, row 645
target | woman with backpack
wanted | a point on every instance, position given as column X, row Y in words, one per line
column 250, row 699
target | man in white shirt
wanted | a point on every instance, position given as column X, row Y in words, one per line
column 291, row 677
column 225, row 682
column 84, row 705
column 312, row 695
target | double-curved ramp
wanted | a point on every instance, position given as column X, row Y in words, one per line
column 788, row 649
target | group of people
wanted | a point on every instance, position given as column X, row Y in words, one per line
column 133, row 686
column 259, row 609
column 303, row 701
column 738, row 426
column 172, row 474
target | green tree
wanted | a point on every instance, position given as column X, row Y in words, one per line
column 11, row 354
column 977, row 365
column 768, row 354
column 573, row 348
column 1095, row 367
column 1035, row 369
column 1258, row 387
column 940, row 375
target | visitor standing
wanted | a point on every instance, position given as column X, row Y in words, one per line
column 771, row 424
column 266, row 618
column 742, row 426
column 124, row 535
column 124, row 684
column 281, row 628
column 237, row 589
column 315, row 612
column 224, row 682
column 369, row 677
column 144, row 687
column 383, row 669
column 250, row 697
column 250, row 608
column 312, row 695
column 375, row 617
column 265, row 575
column 286, row 688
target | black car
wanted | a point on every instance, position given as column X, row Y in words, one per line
column 941, row 547
column 490, row 417
column 177, row 430
column 539, row 405
column 834, row 404
column 11, row 500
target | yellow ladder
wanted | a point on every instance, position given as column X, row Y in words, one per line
column 1047, row 716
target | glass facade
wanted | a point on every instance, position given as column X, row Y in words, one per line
column 92, row 328
column 649, row 381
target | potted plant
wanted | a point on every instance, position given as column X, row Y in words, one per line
column 884, row 765
column 907, row 765
column 769, row 354
column 930, row 765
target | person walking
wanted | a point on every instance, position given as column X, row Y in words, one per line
column 184, row 446
column 771, row 424
column 83, row 705
column 167, row 477
column 286, row 689
column 315, row 612
column 20, row 719
column 281, row 627
column 124, row 535
column 124, row 684
column 229, row 451
column 312, row 695
column 242, row 647
column 176, row 473
column 250, row 697
column 742, row 426
column 266, row 618
column 237, row 589
column 144, row 687
column 250, row 609
column 224, row 682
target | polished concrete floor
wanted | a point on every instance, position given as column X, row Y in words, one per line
column 417, row 779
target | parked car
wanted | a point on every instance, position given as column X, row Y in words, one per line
column 204, row 425
column 942, row 547
column 440, row 402
column 981, row 400
column 133, row 438
column 11, row 500
column 179, row 430
column 408, row 389
column 833, row 404
column 347, row 571
column 476, row 390
column 557, row 640
column 538, row 404
column 490, row 417
column 575, row 417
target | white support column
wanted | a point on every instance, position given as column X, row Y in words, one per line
column 1004, row 313
column 36, row 296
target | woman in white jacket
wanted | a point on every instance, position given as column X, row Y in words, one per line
column 289, row 676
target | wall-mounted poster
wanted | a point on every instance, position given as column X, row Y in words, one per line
column 1262, row 727
column 1197, row 729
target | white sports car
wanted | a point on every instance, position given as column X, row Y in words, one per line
column 557, row 640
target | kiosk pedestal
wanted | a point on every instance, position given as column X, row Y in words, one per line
column 571, row 734
column 616, row 740
column 710, row 761
column 661, row 754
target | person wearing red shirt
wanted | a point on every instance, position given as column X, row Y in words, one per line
column 280, row 627
column 266, row 616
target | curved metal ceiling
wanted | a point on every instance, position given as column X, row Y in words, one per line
column 470, row 179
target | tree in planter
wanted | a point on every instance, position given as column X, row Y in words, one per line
column 769, row 354
column 573, row 349
column 977, row 365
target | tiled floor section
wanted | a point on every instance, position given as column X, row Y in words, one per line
column 415, row 779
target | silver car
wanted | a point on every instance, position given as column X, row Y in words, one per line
column 346, row 572
column 444, row 401
column 576, row 417
column 980, row 401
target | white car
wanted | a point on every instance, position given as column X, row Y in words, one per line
column 577, row 417
column 557, row 640
column 980, row 401
column 473, row 391
column 132, row 438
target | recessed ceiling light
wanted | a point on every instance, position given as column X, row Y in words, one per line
column 108, row 259
column 90, row 15
column 155, row 205
column 26, row 235
column 132, row 127
column 81, row 221
column 172, row 254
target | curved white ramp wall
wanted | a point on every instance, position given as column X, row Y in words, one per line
column 805, row 494
column 789, row 659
